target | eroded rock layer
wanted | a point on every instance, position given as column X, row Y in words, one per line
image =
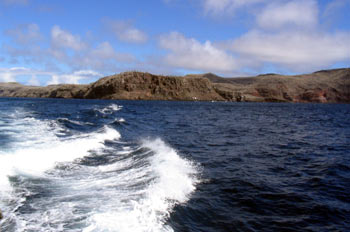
column 331, row 86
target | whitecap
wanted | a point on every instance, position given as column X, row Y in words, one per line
column 109, row 109
column 174, row 179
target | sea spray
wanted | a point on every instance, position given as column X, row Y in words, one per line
column 174, row 179
column 34, row 151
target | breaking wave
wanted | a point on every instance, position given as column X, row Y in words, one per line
column 88, row 181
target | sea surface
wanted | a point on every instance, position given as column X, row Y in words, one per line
column 94, row 165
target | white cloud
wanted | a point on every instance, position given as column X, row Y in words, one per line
column 64, row 39
column 289, row 35
column 6, row 76
column 285, row 33
column 87, row 73
column 102, row 57
column 188, row 53
column 296, row 50
column 33, row 81
column 58, row 54
column 10, row 74
column 299, row 13
column 73, row 78
column 66, row 49
column 55, row 80
column 104, row 51
column 124, row 31
column 25, row 34
column 227, row 6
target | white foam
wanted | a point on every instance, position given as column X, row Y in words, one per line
column 110, row 109
column 115, row 107
column 76, row 122
column 38, row 149
column 135, row 193
column 175, row 180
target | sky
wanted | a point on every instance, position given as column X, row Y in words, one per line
column 63, row 41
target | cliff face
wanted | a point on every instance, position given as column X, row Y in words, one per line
column 136, row 85
column 129, row 85
column 323, row 86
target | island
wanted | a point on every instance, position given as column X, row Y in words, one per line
column 326, row 86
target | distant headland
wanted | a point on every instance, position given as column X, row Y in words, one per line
column 326, row 86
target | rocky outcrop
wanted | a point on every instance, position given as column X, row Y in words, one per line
column 146, row 86
column 323, row 86
column 331, row 86
column 128, row 85
column 52, row 91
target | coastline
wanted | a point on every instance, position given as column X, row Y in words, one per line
column 326, row 86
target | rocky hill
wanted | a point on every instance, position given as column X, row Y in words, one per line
column 323, row 86
column 331, row 86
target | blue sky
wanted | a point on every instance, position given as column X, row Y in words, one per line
column 64, row 41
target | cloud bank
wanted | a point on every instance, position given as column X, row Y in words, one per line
column 286, row 34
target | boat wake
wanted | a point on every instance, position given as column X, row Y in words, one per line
column 88, row 181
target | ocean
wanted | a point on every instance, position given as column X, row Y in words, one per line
column 105, row 165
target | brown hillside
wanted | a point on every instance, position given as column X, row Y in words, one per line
column 331, row 86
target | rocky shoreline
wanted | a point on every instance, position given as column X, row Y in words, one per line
column 327, row 86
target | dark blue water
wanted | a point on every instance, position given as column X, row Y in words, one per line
column 91, row 165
